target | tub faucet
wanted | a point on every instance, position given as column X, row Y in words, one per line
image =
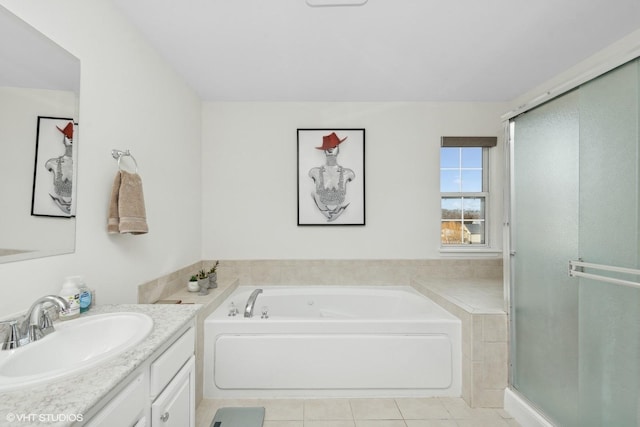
column 251, row 302
column 34, row 325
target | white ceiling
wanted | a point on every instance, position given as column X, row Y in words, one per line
column 386, row 50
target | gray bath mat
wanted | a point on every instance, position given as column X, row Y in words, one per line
column 238, row 417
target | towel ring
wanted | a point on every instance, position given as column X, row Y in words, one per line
column 119, row 154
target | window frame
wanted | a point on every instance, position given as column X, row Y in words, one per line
column 484, row 194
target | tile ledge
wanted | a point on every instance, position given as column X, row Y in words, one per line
column 445, row 289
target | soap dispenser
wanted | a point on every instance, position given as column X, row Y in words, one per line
column 71, row 294
column 86, row 296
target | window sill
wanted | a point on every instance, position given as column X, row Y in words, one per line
column 471, row 252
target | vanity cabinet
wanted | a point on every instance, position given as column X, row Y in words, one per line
column 127, row 408
column 175, row 405
column 160, row 393
column 173, row 394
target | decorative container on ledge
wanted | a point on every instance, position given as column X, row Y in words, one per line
column 213, row 280
column 192, row 284
column 213, row 276
column 203, row 283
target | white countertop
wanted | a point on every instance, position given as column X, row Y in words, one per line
column 77, row 394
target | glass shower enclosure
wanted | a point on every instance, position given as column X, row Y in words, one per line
column 575, row 328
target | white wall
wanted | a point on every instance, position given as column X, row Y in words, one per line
column 129, row 99
column 249, row 178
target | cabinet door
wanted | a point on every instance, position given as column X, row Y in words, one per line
column 165, row 367
column 125, row 409
column 175, row 406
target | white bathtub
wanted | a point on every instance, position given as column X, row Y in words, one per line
column 320, row 341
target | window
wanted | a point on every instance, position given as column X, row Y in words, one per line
column 464, row 192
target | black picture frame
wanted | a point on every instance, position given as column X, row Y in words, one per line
column 341, row 201
column 55, row 168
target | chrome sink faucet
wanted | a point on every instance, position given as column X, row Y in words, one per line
column 34, row 325
column 251, row 302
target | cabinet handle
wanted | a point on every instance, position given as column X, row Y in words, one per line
column 164, row 417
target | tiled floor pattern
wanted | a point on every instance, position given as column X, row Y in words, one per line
column 402, row 412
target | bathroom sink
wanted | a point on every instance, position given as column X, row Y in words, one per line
column 75, row 346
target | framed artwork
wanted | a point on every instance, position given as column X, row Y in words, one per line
column 331, row 177
column 55, row 170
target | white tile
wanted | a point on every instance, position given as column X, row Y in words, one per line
column 495, row 328
column 495, row 366
column 376, row 412
column 327, row 409
column 329, row 423
column 380, row 423
column 456, row 406
column 375, row 409
column 282, row 424
column 488, row 422
column 459, row 409
column 504, row 414
column 431, row 423
column 422, row 409
column 205, row 412
column 452, row 401
column 283, row 409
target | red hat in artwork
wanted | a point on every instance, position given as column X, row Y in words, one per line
column 68, row 130
column 330, row 141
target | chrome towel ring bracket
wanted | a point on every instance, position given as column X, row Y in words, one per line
column 119, row 154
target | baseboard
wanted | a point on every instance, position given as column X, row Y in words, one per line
column 522, row 412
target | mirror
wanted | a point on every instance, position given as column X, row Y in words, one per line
column 39, row 94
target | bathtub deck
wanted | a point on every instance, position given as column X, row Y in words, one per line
column 405, row 412
column 477, row 296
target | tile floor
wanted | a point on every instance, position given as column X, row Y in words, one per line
column 401, row 412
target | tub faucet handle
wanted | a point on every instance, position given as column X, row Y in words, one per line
column 265, row 312
column 233, row 310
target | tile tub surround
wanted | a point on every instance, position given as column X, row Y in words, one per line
column 357, row 272
column 478, row 304
column 323, row 272
column 164, row 286
column 80, row 393
column 385, row 412
column 444, row 277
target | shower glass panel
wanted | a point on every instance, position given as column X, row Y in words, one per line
column 609, row 329
column 575, row 347
column 545, row 237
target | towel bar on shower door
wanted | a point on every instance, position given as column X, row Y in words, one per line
column 576, row 270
